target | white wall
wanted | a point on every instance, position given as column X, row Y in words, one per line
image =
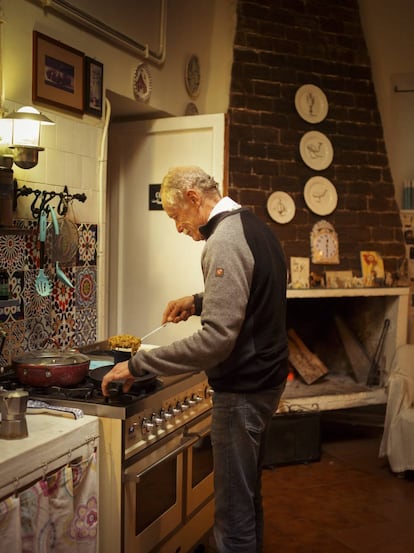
column 205, row 28
column 388, row 29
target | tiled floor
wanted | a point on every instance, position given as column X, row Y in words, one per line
column 348, row 502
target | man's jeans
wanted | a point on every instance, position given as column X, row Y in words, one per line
column 238, row 435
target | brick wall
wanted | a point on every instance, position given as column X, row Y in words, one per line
column 279, row 46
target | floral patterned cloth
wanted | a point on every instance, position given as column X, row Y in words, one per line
column 10, row 535
column 58, row 514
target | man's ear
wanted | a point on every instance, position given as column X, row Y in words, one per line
column 193, row 197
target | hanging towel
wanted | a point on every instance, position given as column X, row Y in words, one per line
column 84, row 528
column 10, row 535
column 37, row 532
column 60, row 488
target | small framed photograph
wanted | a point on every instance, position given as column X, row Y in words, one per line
column 299, row 272
column 58, row 74
column 338, row 279
column 93, row 87
column 372, row 268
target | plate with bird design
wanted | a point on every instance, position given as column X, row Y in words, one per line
column 320, row 195
column 281, row 207
column 316, row 150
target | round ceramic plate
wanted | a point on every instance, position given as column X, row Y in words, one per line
column 142, row 85
column 320, row 195
column 316, row 150
column 191, row 109
column 311, row 103
column 281, row 207
column 192, row 76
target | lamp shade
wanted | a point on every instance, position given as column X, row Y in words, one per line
column 25, row 137
column 26, row 126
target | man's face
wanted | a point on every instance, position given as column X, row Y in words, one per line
column 188, row 216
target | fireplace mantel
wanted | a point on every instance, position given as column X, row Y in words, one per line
column 346, row 292
column 309, row 311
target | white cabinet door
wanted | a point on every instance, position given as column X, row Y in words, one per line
column 149, row 262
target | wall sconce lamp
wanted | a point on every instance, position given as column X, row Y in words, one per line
column 19, row 137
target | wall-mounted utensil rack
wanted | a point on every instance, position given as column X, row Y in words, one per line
column 43, row 197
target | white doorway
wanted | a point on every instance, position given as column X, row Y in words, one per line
column 149, row 262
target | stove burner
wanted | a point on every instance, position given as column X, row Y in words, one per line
column 87, row 391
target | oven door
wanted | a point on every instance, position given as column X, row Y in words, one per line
column 153, row 495
column 199, row 461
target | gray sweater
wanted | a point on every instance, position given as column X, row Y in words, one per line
column 242, row 343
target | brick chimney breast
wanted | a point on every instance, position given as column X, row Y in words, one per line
column 280, row 46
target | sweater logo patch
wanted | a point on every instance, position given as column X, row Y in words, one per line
column 219, row 272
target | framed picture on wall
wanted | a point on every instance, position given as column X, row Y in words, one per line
column 372, row 268
column 93, row 87
column 58, row 74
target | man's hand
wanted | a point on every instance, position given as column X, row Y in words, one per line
column 179, row 310
column 118, row 372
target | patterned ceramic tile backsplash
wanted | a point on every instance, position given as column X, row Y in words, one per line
column 68, row 315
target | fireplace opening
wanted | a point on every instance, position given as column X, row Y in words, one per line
column 351, row 334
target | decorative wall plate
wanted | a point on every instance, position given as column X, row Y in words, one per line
column 316, row 150
column 281, row 207
column 192, row 76
column 320, row 195
column 191, row 109
column 311, row 103
column 142, row 85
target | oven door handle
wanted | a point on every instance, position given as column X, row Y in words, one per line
column 205, row 431
column 185, row 443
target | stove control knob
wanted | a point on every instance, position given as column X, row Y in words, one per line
column 147, row 426
column 157, row 420
column 166, row 415
column 208, row 392
column 185, row 404
column 176, row 410
column 196, row 399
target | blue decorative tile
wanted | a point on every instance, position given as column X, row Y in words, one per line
column 85, row 326
column 34, row 304
column 85, row 287
column 37, row 332
column 12, row 252
column 68, row 314
column 87, row 245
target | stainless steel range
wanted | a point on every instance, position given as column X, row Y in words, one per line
column 156, row 464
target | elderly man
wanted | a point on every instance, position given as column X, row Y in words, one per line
column 241, row 345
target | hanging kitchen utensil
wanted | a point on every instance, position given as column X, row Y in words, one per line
column 61, row 276
column 43, row 285
column 65, row 243
column 153, row 331
column 59, row 273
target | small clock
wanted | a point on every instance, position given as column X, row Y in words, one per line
column 324, row 243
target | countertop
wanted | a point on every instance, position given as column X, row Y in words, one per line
column 52, row 442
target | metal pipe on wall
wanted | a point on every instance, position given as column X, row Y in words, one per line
column 71, row 10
